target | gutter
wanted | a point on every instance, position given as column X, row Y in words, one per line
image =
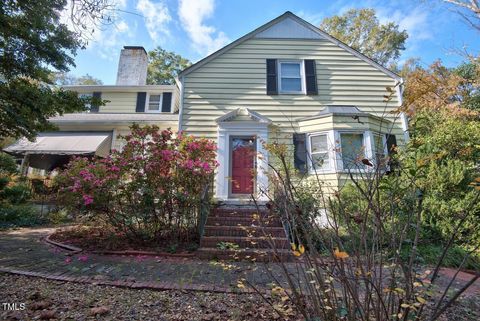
column 403, row 116
column 180, row 111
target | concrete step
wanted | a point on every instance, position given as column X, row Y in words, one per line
column 243, row 231
column 257, row 255
column 213, row 220
column 246, row 242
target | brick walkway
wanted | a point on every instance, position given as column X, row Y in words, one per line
column 24, row 250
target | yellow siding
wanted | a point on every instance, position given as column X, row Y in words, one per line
column 237, row 78
column 119, row 102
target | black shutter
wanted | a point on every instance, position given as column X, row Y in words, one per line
column 272, row 87
column 391, row 144
column 300, row 152
column 311, row 77
column 95, row 105
column 141, row 99
column 167, row 102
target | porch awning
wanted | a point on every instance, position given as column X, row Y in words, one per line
column 64, row 143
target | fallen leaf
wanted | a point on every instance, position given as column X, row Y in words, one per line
column 99, row 310
column 47, row 315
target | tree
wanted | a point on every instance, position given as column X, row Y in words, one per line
column 361, row 30
column 438, row 88
column 66, row 79
column 33, row 42
column 472, row 8
column 164, row 66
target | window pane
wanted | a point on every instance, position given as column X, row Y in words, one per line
column 352, row 150
column 291, row 84
column 320, row 160
column 319, row 143
column 154, row 102
column 379, row 149
column 290, row 69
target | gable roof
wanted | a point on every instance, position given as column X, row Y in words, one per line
column 311, row 30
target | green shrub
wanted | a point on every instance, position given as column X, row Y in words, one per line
column 429, row 254
column 16, row 194
column 19, row 215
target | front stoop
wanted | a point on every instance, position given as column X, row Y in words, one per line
column 247, row 233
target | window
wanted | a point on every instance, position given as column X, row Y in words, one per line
column 319, row 152
column 154, row 103
column 291, row 77
column 379, row 149
column 352, row 150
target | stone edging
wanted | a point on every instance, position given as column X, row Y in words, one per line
column 150, row 285
column 73, row 249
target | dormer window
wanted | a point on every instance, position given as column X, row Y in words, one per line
column 291, row 76
column 159, row 103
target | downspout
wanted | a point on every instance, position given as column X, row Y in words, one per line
column 403, row 116
column 180, row 109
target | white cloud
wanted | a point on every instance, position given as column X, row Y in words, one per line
column 415, row 22
column 157, row 17
column 193, row 13
column 313, row 18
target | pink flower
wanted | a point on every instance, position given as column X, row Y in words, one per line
column 115, row 168
column 68, row 260
column 189, row 164
column 87, row 199
column 206, row 166
column 83, row 258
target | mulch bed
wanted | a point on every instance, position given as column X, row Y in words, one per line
column 102, row 240
column 46, row 299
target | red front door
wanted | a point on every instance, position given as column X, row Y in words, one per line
column 243, row 163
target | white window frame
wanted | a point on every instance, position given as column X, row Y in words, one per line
column 302, row 76
column 331, row 153
column 384, row 145
column 147, row 103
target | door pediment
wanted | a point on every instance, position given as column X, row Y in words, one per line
column 243, row 115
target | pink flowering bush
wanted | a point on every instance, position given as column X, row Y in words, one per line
column 151, row 189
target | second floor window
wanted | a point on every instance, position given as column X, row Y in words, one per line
column 155, row 103
column 290, row 77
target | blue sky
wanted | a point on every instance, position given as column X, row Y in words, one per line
column 195, row 28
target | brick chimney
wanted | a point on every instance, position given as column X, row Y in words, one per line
column 132, row 66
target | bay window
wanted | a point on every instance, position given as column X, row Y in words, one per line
column 352, row 150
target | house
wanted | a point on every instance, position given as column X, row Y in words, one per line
column 95, row 132
column 290, row 82
column 286, row 81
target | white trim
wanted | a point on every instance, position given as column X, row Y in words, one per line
column 222, row 177
column 366, row 145
column 330, row 149
column 308, row 25
column 403, row 116
column 147, row 103
column 180, row 107
column 301, row 63
column 115, row 88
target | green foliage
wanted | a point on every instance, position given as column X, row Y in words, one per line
column 8, row 165
column 361, row 30
column 428, row 254
column 19, row 215
column 444, row 152
column 164, row 66
column 66, row 79
column 33, row 41
column 469, row 88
